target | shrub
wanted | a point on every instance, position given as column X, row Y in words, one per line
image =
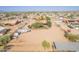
column 71, row 16
column 2, row 48
column 49, row 23
column 48, row 18
column 4, row 39
column 40, row 24
column 29, row 26
column 41, row 18
column 45, row 44
column 37, row 25
column 72, row 37
column 70, row 26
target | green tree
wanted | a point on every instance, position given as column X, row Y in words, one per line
column 49, row 23
column 48, row 18
column 72, row 37
column 37, row 25
column 71, row 16
column 45, row 44
column 4, row 39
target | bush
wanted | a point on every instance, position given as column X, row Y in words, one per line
column 41, row 18
column 37, row 25
column 4, row 39
column 48, row 18
column 42, row 25
column 72, row 37
column 2, row 48
column 70, row 16
column 45, row 44
column 70, row 26
column 49, row 23
column 29, row 26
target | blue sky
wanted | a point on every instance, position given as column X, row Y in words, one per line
column 39, row 8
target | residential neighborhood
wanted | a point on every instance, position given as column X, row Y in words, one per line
column 39, row 31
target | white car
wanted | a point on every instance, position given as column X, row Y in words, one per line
column 15, row 35
column 23, row 30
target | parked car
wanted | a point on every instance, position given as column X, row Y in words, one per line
column 19, row 31
column 23, row 30
column 15, row 35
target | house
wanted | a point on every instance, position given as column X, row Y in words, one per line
column 11, row 22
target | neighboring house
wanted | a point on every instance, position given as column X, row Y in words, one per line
column 11, row 22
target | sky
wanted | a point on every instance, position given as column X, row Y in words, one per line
column 38, row 8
